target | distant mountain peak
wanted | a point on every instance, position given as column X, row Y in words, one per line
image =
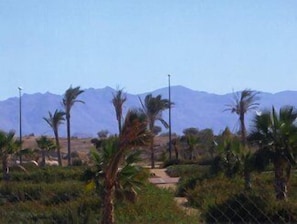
column 192, row 108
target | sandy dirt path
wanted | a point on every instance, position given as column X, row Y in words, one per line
column 161, row 179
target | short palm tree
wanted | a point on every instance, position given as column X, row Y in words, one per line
column 153, row 108
column 119, row 98
column 8, row 146
column 244, row 101
column 45, row 145
column 276, row 132
column 192, row 142
column 54, row 121
column 114, row 162
column 232, row 158
column 69, row 99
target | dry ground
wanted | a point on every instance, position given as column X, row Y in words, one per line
column 83, row 146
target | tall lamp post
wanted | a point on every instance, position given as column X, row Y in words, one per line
column 169, row 95
column 20, row 116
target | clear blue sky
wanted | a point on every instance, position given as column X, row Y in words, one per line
column 217, row 46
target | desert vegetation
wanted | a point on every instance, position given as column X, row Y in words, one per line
column 242, row 177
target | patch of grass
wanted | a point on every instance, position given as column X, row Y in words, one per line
column 154, row 205
column 58, row 195
column 48, row 174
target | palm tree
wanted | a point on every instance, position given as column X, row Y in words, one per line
column 276, row 133
column 243, row 103
column 70, row 98
column 232, row 158
column 8, row 146
column 190, row 138
column 119, row 98
column 54, row 121
column 45, row 145
column 115, row 153
column 153, row 108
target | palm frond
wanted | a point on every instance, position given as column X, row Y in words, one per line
column 70, row 98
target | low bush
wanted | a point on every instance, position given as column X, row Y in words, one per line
column 47, row 193
column 62, row 192
column 48, row 174
column 224, row 200
column 17, row 192
column 186, row 170
column 154, row 205
column 77, row 162
column 59, row 195
column 189, row 176
column 171, row 162
column 215, row 190
column 185, row 184
column 249, row 207
column 81, row 210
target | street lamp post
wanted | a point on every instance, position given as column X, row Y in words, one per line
column 169, row 95
column 20, row 116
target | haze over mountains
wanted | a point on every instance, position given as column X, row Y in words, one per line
column 191, row 109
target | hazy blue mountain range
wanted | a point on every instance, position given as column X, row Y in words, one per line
column 191, row 109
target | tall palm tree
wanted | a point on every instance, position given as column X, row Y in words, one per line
column 116, row 152
column 276, row 133
column 54, row 121
column 153, row 108
column 8, row 146
column 244, row 101
column 119, row 98
column 45, row 145
column 70, row 98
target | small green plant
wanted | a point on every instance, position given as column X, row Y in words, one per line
column 226, row 200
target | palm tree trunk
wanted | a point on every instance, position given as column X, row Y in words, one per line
column 108, row 209
column 43, row 157
column 5, row 168
column 280, row 180
column 242, row 130
column 58, row 148
column 119, row 125
column 21, row 158
column 68, row 140
column 247, row 180
column 176, row 152
column 152, row 153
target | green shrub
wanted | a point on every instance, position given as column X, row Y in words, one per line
column 186, row 184
column 186, row 170
column 224, row 200
column 190, row 174
column 62, row 192
column 81, row 210
column 74, row 154
column 171, row 162
column 205, row 160
column 248, row 207
column 77, row 162
column 16, row 192
column 154, row 205
column 48, row 174
column 48, row 193
column 215, row 190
